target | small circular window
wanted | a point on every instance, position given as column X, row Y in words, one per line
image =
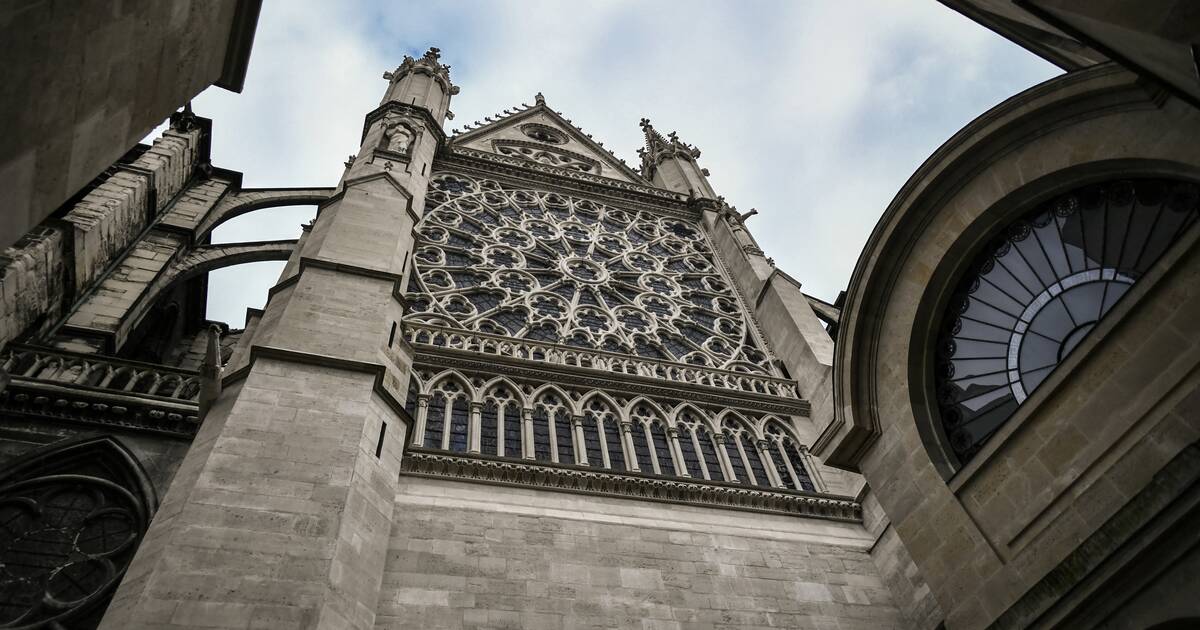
column 1036, row 292
column 542, row 133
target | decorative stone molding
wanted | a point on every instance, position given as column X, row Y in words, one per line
column 493, row 165
column 434, row 342
column 562, row 478
column 98, row 391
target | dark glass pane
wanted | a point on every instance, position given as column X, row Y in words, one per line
column 708, row 447
column 666, row 462
column 489, row 429
column 735, row 459
column 612, row 439
column 591, row 442
column 512, row 431
column 691, row 459
column 459, row 419
column 434, row 420
column 760, row 472
column 541, row 434
column 641, row 446
column 797, row 461
column 563, row 433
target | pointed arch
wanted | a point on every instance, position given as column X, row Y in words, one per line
column 553, row 434
column 447, row 415
column 650, row 439
column 501, row 426
column 741, row 449
column 91, row 490
column 696, row 446
column 603, row 443
column 789, row 458
column 541, row 389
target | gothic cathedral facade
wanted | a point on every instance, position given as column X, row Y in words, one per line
column 506, row 380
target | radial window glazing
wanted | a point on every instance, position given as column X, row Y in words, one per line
column 1034, row 294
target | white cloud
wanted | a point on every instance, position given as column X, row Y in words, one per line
column 815, row 113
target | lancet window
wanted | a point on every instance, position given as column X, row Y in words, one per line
column 602, row 435
column 552, row 433
column 500, row 423
column 788, row 458
column 447, row 417
column 650, row 440
column 743, row 453
column 697, row 447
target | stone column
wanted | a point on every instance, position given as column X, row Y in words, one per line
column 676, row 452
column 764, row 455
column 475, row 428
column 813, row 469
column 631, row 461
column 723, row 457
column 280, row 512
column 527, row 435
column 422, row 417
column 580, row 443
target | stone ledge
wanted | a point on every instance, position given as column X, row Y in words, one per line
column 424, row 463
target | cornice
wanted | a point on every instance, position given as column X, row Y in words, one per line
column 39, row 401
column 525, row 173
column 419, row 462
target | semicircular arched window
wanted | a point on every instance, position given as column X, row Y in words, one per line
column 1031, row 296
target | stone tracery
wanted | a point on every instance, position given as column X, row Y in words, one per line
column 590, row 428
column 558, row 269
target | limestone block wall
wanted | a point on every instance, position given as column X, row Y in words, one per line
column 111, row 216
column 465, row 555
column 32, row 281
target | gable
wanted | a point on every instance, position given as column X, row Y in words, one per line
column 540, row 135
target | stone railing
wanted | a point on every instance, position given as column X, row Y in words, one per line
column 103, row 373
column 429, row 335
column 48, row 384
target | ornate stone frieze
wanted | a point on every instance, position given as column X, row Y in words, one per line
column 577, row 479
column 493, row 165
column 99, row 391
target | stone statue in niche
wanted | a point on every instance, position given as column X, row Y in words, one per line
column 397, row 136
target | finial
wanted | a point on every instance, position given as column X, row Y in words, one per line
column 539, row 99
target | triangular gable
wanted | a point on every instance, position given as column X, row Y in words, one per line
column 540, row 134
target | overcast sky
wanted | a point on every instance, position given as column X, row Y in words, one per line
column 813, row 112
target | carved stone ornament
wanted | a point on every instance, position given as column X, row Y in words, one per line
column 573, row 479
column 71, row 517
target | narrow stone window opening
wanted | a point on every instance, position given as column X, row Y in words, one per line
column 392, row 335
column 379, row 445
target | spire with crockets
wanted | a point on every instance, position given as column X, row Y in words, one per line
column 670, row 163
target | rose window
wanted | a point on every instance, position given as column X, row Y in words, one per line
column 557, row 269
column 64, row 542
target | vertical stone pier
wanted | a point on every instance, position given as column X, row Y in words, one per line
column 280, row 514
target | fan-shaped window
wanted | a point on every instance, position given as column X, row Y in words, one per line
column 1034, row 294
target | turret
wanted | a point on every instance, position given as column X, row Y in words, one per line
column 670, row 163
column 423, row 82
